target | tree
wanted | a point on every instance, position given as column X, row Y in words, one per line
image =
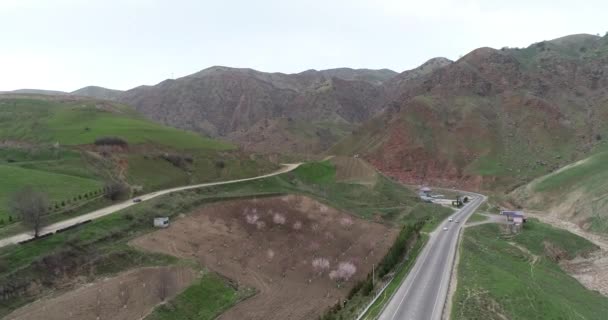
column 116, row 190
column 32, row 206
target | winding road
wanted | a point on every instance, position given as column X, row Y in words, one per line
column 119, row 206
column 423, row 294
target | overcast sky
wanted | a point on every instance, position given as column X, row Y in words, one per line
column 68, row 44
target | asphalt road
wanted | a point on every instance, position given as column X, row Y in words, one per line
column 422, row 295
column 116, row 207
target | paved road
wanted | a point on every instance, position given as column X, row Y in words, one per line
column 423, row 293
column 116, row 207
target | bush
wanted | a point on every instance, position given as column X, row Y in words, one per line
column 111, row 141
column 179, row 161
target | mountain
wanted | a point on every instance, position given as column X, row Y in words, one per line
column 97, row 93
column 269, row 112
column 494, row 119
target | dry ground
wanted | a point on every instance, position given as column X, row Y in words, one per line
column 286, row 247
column 129, row 295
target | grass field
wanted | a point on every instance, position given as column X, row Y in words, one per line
column 514, row 277
column 57, row 185
column 81, row 122
column 204, row 300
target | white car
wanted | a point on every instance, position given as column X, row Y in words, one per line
column 451, row 219
column 457, row 221
column 445, row 228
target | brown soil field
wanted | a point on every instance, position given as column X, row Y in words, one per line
column 289, row 248
column 127, row 296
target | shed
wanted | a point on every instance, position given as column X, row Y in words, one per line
column 161, row 222
column 512, row 214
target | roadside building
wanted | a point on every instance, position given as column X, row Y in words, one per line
column 426, row 191
column 511, row 215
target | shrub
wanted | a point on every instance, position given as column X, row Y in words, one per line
column 179, row 161
column 220, row 164
column 111, row 141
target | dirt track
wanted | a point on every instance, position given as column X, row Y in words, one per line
column 285, row 247
column 128, row 296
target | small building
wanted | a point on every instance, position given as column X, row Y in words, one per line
column 511, row 215
column 161, row 222
column 425, row 191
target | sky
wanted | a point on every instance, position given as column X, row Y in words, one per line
column 120, row 44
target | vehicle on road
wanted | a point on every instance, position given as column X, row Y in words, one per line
column 451, row 219
column 457, row 221
column 445, row 228
column 137, row 200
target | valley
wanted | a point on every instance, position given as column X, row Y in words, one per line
column 322, row 194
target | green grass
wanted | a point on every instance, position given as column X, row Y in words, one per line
column 476, row 217
column 536, row 234
column 81, row 122
column 58, row 186
column 317, row 172
column 496, row 278
column 206, row 299
column 591, row 172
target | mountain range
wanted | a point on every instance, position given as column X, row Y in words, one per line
column 495, row 118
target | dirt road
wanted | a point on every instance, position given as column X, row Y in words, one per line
column 117, row 207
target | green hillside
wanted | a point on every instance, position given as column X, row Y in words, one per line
column 515, row 277
column 49, row 143
column 77, row 122
column 577, row 192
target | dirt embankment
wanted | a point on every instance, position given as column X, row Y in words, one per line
column 292, row 249
column 127, row 296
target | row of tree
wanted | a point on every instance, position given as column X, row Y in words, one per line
column 32, row 205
